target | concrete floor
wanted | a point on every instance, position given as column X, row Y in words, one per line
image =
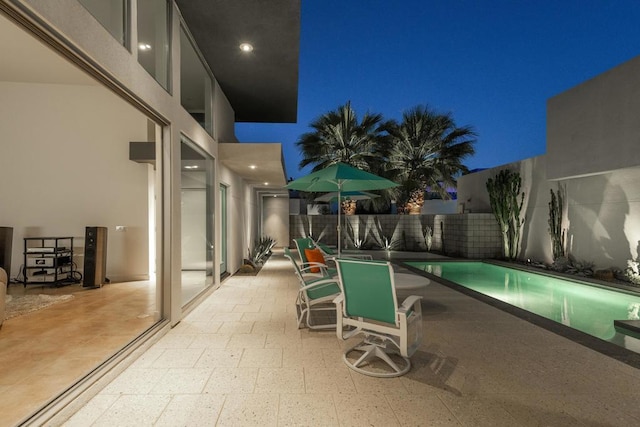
column 239, row 359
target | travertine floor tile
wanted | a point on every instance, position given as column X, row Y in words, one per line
column 182, row 381
column 280, row 380
column 261, row 358
column 191, row 410
column 307, row 410
column 220, row 357
column 133, row 411
column 232, row 380
column 364, row 410
column 260, row 410
column 422, row 410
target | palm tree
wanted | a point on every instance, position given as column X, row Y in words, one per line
column 338, row 137
column 427, row 150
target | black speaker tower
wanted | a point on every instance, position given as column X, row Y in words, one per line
column 6, row 244
column 95, row 257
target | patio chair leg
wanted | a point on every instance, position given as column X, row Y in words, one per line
column 372, row 351
column 301, row 316
column 369, row 353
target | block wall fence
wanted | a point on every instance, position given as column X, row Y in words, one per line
column 468, row 235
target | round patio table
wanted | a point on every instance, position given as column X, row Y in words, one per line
column 409, row 282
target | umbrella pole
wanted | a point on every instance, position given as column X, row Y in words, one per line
column 339, row 211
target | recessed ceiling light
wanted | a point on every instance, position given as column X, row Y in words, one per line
column 246, row 47
column 266, row 183
column 191, row 167
column 252, row 166
column 144, row 46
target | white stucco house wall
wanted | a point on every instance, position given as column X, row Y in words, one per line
column 593, row 141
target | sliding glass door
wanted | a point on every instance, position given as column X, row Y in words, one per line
column 223, row 230
column 197, row 209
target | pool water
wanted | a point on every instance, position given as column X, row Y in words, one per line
column 587, row 308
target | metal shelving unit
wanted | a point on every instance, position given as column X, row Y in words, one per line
column 48, row 260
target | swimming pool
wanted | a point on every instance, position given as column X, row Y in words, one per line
column 590, row 309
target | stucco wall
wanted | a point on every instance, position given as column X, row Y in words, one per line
column 237, row 218
column 275, row 219
column 602, row 212
column 594, row 127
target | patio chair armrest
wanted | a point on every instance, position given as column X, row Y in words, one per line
column 338, row 300
column 312, row 264
column 309, row 265
column 409, row 303
column 366, row 257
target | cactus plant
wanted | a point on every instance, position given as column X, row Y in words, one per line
column 428, row 237
column 504, row 190
column 555, row 224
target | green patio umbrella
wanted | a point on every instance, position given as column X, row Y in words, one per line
column 340, row 177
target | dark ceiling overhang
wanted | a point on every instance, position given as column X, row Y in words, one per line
column 262, row 85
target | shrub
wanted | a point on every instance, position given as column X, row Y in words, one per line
column 261, row 250
column 571, row 265
column 632, row 272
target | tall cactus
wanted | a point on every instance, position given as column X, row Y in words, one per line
column 504, row 190
column 556, row 206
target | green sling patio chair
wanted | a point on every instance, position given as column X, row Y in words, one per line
column 367, row 306
column 329, row 255
column 315, row 296
column 303, row 243
column 308, row 243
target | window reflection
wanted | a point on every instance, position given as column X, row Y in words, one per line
column 197, row 203
column 153, row 39
column 195, row 84
column 111, row 14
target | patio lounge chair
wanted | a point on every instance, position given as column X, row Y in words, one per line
column 315, row 295
column 391, row 334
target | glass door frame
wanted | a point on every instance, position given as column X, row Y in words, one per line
column 194, row 159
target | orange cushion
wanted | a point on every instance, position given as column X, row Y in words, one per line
column 314, row 255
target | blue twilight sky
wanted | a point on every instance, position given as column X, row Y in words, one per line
column 492, row 63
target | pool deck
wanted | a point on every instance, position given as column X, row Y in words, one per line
column 631, row 328
column 239, row 359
